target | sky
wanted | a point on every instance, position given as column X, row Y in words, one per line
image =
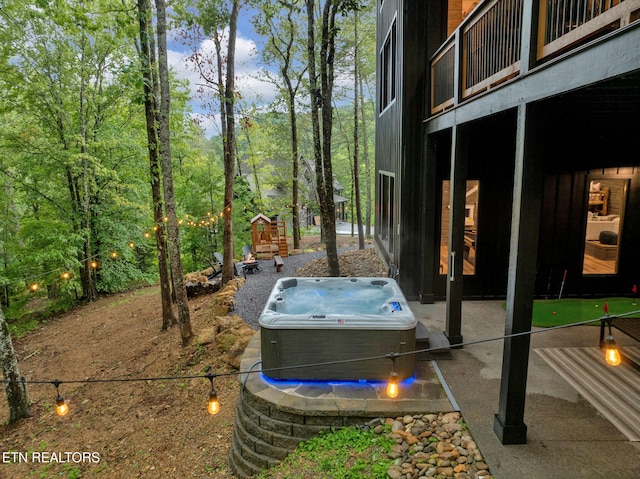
column 247, row 66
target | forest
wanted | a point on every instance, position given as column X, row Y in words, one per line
column 78, row 216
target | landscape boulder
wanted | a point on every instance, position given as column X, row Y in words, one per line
column 231, row 338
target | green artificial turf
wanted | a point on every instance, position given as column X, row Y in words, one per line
column 556, row 312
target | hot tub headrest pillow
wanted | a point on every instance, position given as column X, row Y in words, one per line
column 290, row 283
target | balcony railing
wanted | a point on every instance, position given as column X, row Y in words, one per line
column 571, row 22
column 491, row 40
column 442, row 74
column 491, row 46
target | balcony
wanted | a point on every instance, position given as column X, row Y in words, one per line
column 487, row 49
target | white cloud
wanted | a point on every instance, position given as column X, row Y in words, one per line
column 248, row 72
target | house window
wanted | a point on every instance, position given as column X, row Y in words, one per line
column 606, row 200
column 470, row 227
column 388, row 69
column 386, row 202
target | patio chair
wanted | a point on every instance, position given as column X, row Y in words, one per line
column 215, row 265
column 220, row 260
column 249, row 263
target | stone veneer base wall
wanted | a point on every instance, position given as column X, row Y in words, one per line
column 273, row 417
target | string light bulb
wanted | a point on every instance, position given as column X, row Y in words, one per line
column 62, row 408
column 132, row 244
column 93, row 264
column 213, row 406
column 34, row 287
column 65, row 275
column 392, row 386
column 114, row 254
column 612, row 353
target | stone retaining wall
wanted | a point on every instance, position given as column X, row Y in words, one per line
column 264, row 435
column 273, row 417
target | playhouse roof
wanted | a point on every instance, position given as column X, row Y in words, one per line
column 260, row 216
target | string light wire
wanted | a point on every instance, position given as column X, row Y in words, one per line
column 211, row 219
column 94, row 257
column 394, row 355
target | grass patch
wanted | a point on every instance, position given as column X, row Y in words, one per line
column 348, row 453
column 558, row 312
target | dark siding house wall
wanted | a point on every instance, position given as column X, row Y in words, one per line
column 580, row 133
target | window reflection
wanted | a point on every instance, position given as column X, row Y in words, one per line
column 470, row 227
column 605, row 213
column 387, row 208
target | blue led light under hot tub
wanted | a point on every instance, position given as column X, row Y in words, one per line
column 316, row 320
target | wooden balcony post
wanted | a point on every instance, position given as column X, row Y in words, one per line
column 528, row 44
column 459, row 70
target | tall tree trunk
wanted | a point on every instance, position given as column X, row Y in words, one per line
column 84, row 255
column 221, row 90
column 14, row 387
column 293, row 122
column 327, row 55
column 91, row 293
column 282, row 39
column 164, row 136
column 315, row 99
column 230, row 147
column 321, row 98
column 295, row 187
column 367, row 161
column 147, row 57
column 356, row 137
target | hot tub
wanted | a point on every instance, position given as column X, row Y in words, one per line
column 316, row 320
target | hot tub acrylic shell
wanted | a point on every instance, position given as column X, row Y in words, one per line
column 312, row 336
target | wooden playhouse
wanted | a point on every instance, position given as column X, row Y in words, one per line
column 269, row 237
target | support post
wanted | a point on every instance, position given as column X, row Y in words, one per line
column 527, row 192
column 458, row 191
column 430, row 245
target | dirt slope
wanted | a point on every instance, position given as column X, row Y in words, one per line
column 134, row 429
column 145, row 429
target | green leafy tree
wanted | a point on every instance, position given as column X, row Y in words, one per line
column 200, row 186
column 210, row 18
column 147, row 53
column 67, row 59
column 321, row 84
column 164, row 141
column 280, row 24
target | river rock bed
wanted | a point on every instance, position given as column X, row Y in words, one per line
column 431, row 445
